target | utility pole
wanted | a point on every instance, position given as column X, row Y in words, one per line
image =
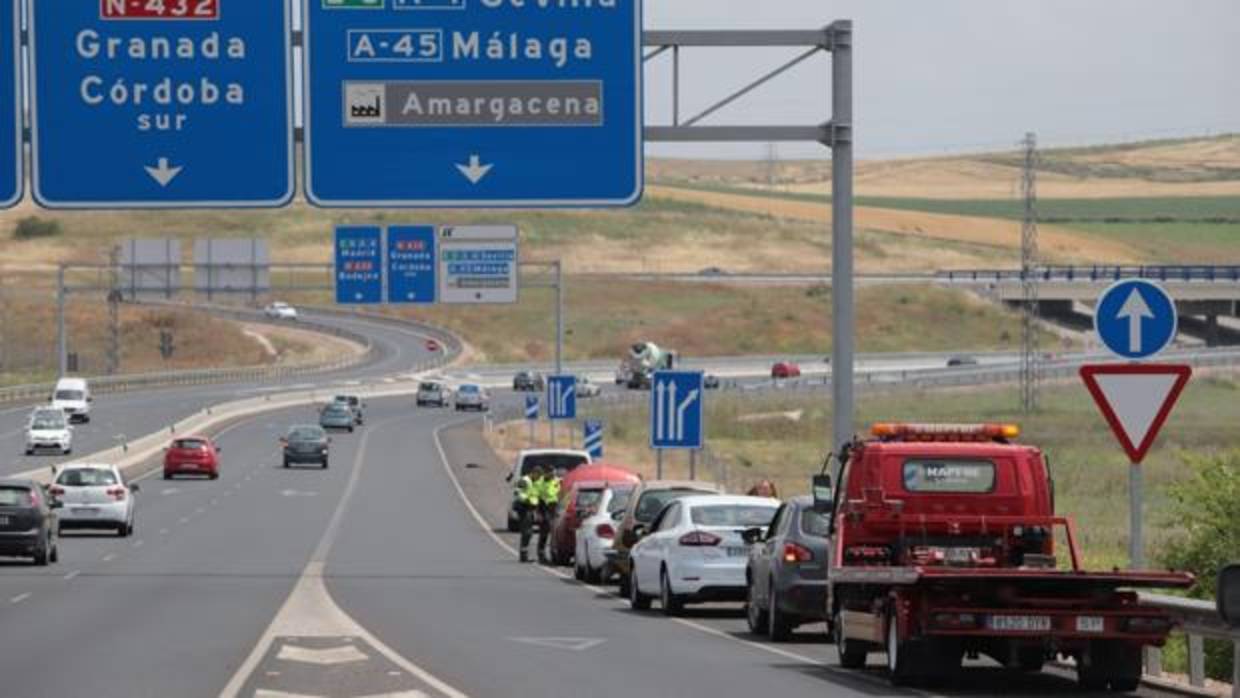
column 62, row 350
column 1029, row 370
column 843, row 322
column 772, row 165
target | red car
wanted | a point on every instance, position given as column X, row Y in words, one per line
column 192, row 455
column 432, row 345
column 785, row 369
column 583, row 488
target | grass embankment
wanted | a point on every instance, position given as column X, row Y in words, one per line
column 783, row 437
column 28, row 340
column 604, row 315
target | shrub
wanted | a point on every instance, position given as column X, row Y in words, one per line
column 33, row 227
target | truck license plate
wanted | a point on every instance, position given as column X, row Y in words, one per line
column 1089, row 624
column 1024, row 624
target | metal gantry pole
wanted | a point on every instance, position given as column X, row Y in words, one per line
column 62, row 340
column 559, row 317
column 843, row 345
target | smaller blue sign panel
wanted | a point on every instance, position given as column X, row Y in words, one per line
column 411, row 264
column 676, row 399
column 1136, row 319
column 593, row 438
column 359, row 265
column 562, row 398
column 10, row 118
column 531, row 408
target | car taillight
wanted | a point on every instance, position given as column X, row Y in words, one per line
column 794, row 552
column 117, row 493
column 33, row 499
column 605, row 531
column 700, row 539
column 58, row 491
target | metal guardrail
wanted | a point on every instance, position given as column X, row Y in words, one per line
column 1100, row 274
column 1199, row 621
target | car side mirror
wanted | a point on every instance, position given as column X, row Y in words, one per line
column 1229, row 595
column 752, row 535
column 618, row 516
column 824, row 494
column 135, row 488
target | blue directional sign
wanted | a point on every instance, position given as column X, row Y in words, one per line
column 171, row 103
column 676, row 410
column 10, row 118
column 473, row 102
column 411, row 264
column 359, row 265
column 593, row 438
column 1136, row 319
column 561, row 398
column 531, row 408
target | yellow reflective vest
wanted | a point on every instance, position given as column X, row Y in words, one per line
column 528, row 491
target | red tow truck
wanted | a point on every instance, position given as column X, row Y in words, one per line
column 944, row 541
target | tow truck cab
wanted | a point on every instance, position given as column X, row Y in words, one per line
column 944, row 546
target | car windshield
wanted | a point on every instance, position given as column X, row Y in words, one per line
column 469, row 389
column 69, row 395
column 561, row 463
column 48, row 422
column 429, row 387
column 619, row 499
column 336, row 410
column 86, row 477
column 949, row 476
column 651, row 503
column 306, row 434
column 747, row 515
column 814, row 523
column 588, row 499
column 14, row 496
column 346, row 400
column 189, row 444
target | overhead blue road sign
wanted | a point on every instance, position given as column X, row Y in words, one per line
column 676, row 410
column 161, row 104
column 11, row 117
column 359, row 265
column 561, row 398
column 411, row 264
column 531, row 408
column 1136, row 319
column 593, row 438
column 473, row 102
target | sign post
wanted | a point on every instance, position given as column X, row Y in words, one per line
column 1136, row 319
column 161, row 104
column 457, row 103
column 676, row 417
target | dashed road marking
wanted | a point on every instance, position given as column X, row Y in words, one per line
column 69, row 577
column 109, row 557
column 20, row 598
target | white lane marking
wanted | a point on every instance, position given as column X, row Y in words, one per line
column 72, row 575
column 20, row 598
column 310, row 610
column 486, row 528
column 200, row 510
column 574, row 644
column 346, row 654
column 183, row 520
column 138, row 543
column 109, row 557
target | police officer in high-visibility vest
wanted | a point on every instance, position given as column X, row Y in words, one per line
column 548, row 489
column 529, row 497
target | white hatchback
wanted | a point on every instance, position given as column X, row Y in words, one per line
column 280, row 310
column 597, row 535
column 694, row 551
column 49, row 430
column 95, row 496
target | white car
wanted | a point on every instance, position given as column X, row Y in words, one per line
column 587, row 388
column 95, row 496
column 280, row 310
column 694, row 551
column 561, row 461
column 48, row 429
column 597, row 535
column 72, row 396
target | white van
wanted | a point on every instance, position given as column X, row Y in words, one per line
column 73, row 396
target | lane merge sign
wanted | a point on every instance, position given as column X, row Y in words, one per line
column 676, row 400
column 1135, row 400
column 1136, row 319
column 561, row 398
column 532, row 408
column 11, row 170
column 592, row 438
column 458, row 103
column 161, row 104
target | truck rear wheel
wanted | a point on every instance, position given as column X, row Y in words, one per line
column 1113, row 665
column 852, row 652
column 900, row 659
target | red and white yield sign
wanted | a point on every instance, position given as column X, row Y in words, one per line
column 1136, row 400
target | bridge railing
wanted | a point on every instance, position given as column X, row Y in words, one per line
column 1099, row 274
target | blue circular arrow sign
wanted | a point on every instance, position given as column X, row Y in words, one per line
column 1135, row 319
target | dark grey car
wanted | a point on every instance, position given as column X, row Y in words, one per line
column 28, row 522
column 306, row 444
column 787, row 570
column 354, row 403
column 337, row 416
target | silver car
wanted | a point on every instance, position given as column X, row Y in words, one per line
column 432, row 393
column 472, row 397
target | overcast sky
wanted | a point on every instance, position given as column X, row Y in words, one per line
column 937, row 76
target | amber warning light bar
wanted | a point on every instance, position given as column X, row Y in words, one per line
column 894, row 431
column 159, row 9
